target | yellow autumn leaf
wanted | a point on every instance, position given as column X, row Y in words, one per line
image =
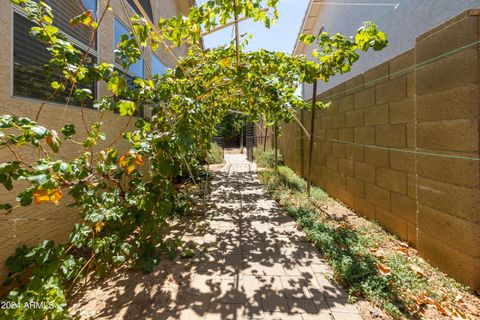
column 99, row 226
column 138, row 159
column 130, row 168
column 47, row 195
column 224, row 62
column 122, row 161
column 130, row 161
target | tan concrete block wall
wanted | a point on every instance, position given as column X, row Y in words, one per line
column 36, row 223
column 448, row 121
column 290, row 142
column 372, row 147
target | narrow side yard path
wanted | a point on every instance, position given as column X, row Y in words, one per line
column 252, row 263
column 269, row 269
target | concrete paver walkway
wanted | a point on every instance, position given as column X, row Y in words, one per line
column 259, row 261
column 250, row 263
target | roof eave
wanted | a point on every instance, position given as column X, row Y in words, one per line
column 308, row 24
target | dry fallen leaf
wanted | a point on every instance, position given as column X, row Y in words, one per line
column 429, row 300
column 443, row 293
column 458, row 314
column 423, row 299
column 403, row 244
column 411, row 308
column 459, row 298
column 378, row 253
column 384, row 269
column 345, row 226
column 418, row 300
column 402, row 250
column 442, row 309
column 418, row 271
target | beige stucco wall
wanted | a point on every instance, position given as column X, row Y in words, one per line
column 36, row 223
column 375, row 146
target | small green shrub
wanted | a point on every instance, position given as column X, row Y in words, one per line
column 215, row 154
column 267, row 158
column 288, row 178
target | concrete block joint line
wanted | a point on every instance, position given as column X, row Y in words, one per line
column 426, row 152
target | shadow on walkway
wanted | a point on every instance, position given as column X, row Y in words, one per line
column 252, row 264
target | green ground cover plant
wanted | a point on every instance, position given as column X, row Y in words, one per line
column 367, row 260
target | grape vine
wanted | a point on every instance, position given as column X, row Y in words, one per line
column 125, row 195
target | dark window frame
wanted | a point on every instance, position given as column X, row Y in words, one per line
column 63, row 11
column 17, row 11
column 146, row 5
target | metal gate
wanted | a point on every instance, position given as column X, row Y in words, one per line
column 250, row 140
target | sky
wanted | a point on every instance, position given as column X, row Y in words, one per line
column 280, row 37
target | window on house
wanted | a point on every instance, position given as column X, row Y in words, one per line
column 157, row 66
column 32, row 74
column 135, row 69
column 90, row 5
column 130, row 80
column 65, row 10
column 131, row 85
column 146, row 5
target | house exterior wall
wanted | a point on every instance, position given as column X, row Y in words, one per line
column 32, row 224
column 409, row 20
column 401, row 146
